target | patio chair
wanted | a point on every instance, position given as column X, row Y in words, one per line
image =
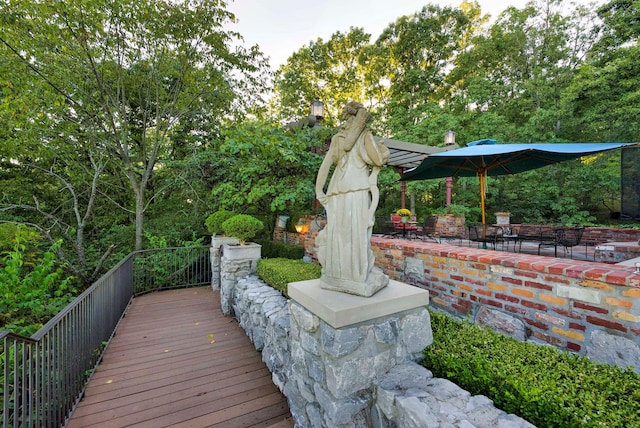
column 550, row 238
column 428, row 230
column 485, row 234
column 571, row 237
column 386, row 227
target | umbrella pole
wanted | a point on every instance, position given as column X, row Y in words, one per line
column 482, row 178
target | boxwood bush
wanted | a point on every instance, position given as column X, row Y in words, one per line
column 275, row 249
column 280, row 272
column 541, row 384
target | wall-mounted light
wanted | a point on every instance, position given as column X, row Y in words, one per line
column 302, row 226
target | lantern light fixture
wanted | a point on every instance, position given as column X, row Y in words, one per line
column 302, row 226
column 449, row 138
column 317, row 110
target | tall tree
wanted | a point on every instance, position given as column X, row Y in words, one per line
column 604, row 98
column 511, row 79
column 130, row 74
column 269, row 168
column 414, row 55
column 330, row 71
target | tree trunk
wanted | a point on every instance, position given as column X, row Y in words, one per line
column 139, row 219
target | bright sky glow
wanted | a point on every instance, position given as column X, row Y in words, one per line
column 281, row 27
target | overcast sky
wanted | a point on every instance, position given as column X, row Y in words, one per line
column 282, row 27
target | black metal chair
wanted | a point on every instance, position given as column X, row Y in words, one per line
column 571, row 237
column 550, row 238
column 485, row 234
column 385, row 227
column 428, row 230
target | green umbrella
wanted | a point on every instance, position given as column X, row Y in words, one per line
column 484, row 157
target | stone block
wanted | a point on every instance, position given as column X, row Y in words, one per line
column 413, row 267
column 339, row 411
column 581, row 294
column 388, row 331
column 501, row 322
column 614, row 350
column 413, row 413
column 415, row 331
column 350, row 375
column 340, row 309
column 340, row 342
column 305, row 319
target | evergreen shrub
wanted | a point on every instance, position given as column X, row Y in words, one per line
column 280, row 272
column 275, row 249
column 541, row 384
column 242, row 226
column 215, row 220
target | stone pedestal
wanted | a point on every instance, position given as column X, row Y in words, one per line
column 214, row 256
column 503, row 219
column 342, row 344
column 237, row 262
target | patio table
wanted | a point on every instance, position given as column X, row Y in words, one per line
column 406, row 228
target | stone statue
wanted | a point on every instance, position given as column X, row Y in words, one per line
column 351, row 199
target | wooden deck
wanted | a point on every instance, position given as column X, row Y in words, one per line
column 176, row 361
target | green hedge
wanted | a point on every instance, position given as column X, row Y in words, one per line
column 541, row 384
column 280, row 272
column 275, row 249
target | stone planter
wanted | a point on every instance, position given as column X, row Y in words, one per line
column 449, row 225
column 249, row 251
column 218, row 241
column 237, row 261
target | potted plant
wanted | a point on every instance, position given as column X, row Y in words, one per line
column 243, row 227
column 404, row 214
column 213, row 223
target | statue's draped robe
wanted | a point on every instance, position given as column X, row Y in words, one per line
column 344, row 244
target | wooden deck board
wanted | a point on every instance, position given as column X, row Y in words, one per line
column 177, row 361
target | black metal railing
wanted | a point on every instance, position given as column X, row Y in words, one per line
column 44, row 376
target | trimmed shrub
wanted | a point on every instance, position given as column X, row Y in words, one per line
column 215, row 220
column 242, row 226
column 280, row 272
column 275, row 249
column 541, row 384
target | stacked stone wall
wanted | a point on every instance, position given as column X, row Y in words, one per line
column 361, row 375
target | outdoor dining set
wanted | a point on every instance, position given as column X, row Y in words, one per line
column 504, row 237
column 564, row 237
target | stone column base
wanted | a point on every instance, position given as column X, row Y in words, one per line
column 342, row 344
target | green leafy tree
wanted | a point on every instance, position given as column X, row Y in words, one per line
column 332, row 71
column 603, row 97
column 131, row 77
column 268, row 169
column 510, row 81
column 415, row 54
column 31, row 293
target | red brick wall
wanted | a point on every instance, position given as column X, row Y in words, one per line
column 604, row 234
column 560, row 301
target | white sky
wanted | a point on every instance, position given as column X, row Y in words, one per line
column 281, row 27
